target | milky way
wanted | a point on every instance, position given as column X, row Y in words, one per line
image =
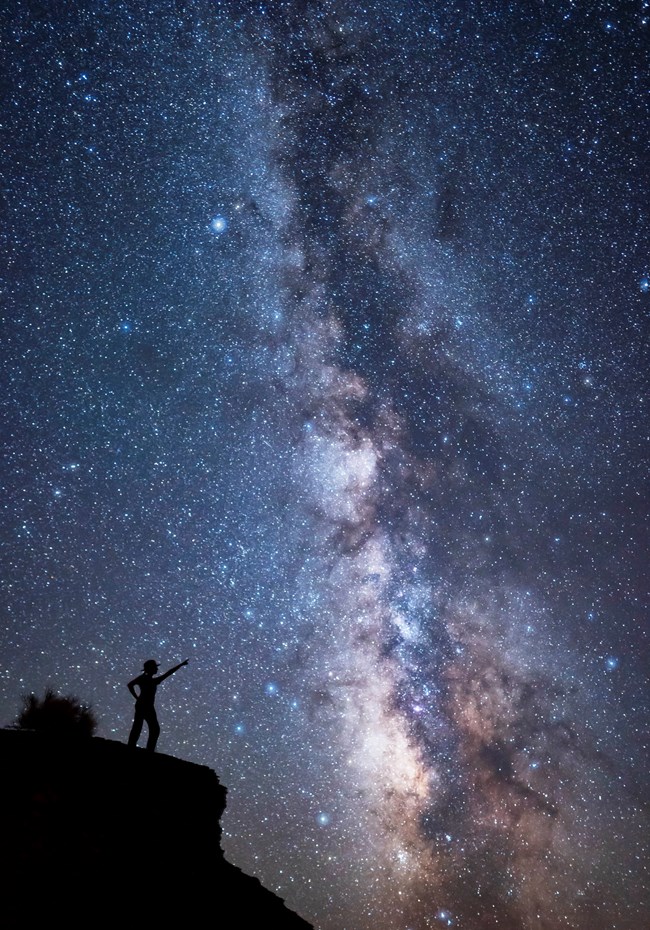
column 325, row 366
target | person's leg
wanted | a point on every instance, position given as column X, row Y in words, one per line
column 154, row 730
column 136, row 729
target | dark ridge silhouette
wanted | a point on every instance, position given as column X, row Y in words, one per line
column 97, row 834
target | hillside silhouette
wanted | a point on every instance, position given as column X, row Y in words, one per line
column 95, row 834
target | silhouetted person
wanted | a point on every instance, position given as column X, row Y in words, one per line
column 144, row 702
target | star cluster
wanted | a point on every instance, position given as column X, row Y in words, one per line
column 324, row 366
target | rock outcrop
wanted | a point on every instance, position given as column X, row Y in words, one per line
column 95, row 834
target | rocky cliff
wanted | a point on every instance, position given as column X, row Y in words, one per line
column 94, row 834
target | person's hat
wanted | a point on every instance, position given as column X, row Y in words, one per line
column 150, row 664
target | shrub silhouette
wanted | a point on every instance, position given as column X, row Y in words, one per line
column 57, row 715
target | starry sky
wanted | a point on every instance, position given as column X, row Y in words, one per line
column 324, row 366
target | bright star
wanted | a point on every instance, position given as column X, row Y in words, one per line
column 218, row 225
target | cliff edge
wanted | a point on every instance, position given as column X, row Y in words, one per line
column 94, row 834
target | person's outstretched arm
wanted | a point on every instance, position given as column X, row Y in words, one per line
column 172, row 670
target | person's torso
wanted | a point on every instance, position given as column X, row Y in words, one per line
column 147, row 689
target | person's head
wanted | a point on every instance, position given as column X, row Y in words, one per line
column 150, row 667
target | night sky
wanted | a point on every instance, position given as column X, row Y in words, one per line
column 324, row 366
